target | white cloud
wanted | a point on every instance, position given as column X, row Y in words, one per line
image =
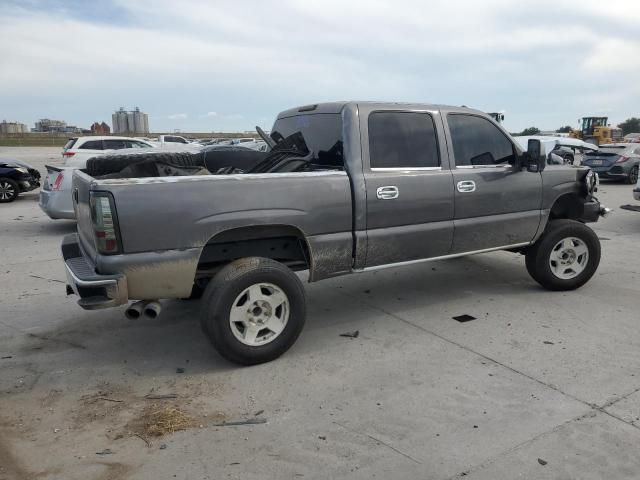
column 539, row 59
column 177, row 116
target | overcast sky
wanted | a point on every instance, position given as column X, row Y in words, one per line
column 229, row 65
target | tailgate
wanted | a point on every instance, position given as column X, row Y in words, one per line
column 81, row 189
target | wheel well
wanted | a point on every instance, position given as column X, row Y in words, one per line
column 283, row 243
column 569, row 206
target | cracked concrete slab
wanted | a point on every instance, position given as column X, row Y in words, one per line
column 590, row 448
column 415, row 395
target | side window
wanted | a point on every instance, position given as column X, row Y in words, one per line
column 91, row 145
column 402, row 140
column 134, row 144
column 114, row 144
column 477, row 141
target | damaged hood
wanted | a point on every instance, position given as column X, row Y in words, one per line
column 11, row 162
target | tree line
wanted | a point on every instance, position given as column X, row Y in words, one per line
column 630, row 125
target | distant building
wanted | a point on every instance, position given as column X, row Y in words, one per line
column 132, row 122
column 56, row 126
column 100, row 129
column 13, row 127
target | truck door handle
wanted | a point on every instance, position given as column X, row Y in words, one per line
column 466, row 186
column 387, row 193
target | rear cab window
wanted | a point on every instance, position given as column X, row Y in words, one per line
column 478, row 142
column 322, row 133
column 69, row 143
column 405, row 140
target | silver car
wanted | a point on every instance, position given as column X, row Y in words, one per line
column 617, row 161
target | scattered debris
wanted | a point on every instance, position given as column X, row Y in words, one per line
column 259, row 412
column 47, row 279
column 542, row 462
column 475, row 426
column 353, row 334
column 464, row 318
column 157, row 421
column 367, row 291
column 168, row 396
column 106, row 451
column 633, row 208
column 56, row 430
column 250, row 421
column 179, row 370
column 143, row 439
column 322, row 437
column 603, row 238
column 547, row 342
column 163, row 446
column 234, row 463
column 109, row 399
column 7, row 356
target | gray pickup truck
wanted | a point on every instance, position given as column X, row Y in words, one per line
column 346, row 187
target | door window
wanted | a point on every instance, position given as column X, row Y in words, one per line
column 402, row 140
column 477, row 141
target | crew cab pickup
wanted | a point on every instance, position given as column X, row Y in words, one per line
column 346, row 187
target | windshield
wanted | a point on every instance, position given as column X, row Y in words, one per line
column 322, row 133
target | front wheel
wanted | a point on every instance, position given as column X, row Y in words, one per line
column 253, row 310
column 565, row 257
column 9, row 190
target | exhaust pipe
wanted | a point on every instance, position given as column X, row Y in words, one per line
column 135, row 310
column 152, row 309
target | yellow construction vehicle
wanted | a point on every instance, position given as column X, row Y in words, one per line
column 597, row 130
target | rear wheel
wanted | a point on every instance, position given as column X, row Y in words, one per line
column 633, row 176
column 253, row 310
column 9, row 190
column 565, row 257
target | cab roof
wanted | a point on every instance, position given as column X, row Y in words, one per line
column 337, row 107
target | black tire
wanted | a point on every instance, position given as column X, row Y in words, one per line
column 538, row 256
column 223, row 290
column 115, row 163
column 632, row 178
column 9, row 190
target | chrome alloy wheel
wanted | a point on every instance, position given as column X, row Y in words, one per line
column 259, row 314
column 569, row 258
column 6, row 191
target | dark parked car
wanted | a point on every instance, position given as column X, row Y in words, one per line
column 16, row 177
column 566, row 153
column 618, row 161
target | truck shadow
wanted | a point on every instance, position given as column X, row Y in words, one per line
column 107, row 341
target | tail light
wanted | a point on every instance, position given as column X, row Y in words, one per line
column 105, row 223
column 622, row 159
column 68, row 154
column 58, row 182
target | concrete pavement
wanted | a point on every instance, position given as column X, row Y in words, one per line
column 541, row 385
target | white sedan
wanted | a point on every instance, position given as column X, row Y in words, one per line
column 55, row 194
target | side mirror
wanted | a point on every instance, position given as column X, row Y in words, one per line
column 535, row 160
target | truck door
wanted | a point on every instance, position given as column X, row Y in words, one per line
column 495, row 205
column 409, row 189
